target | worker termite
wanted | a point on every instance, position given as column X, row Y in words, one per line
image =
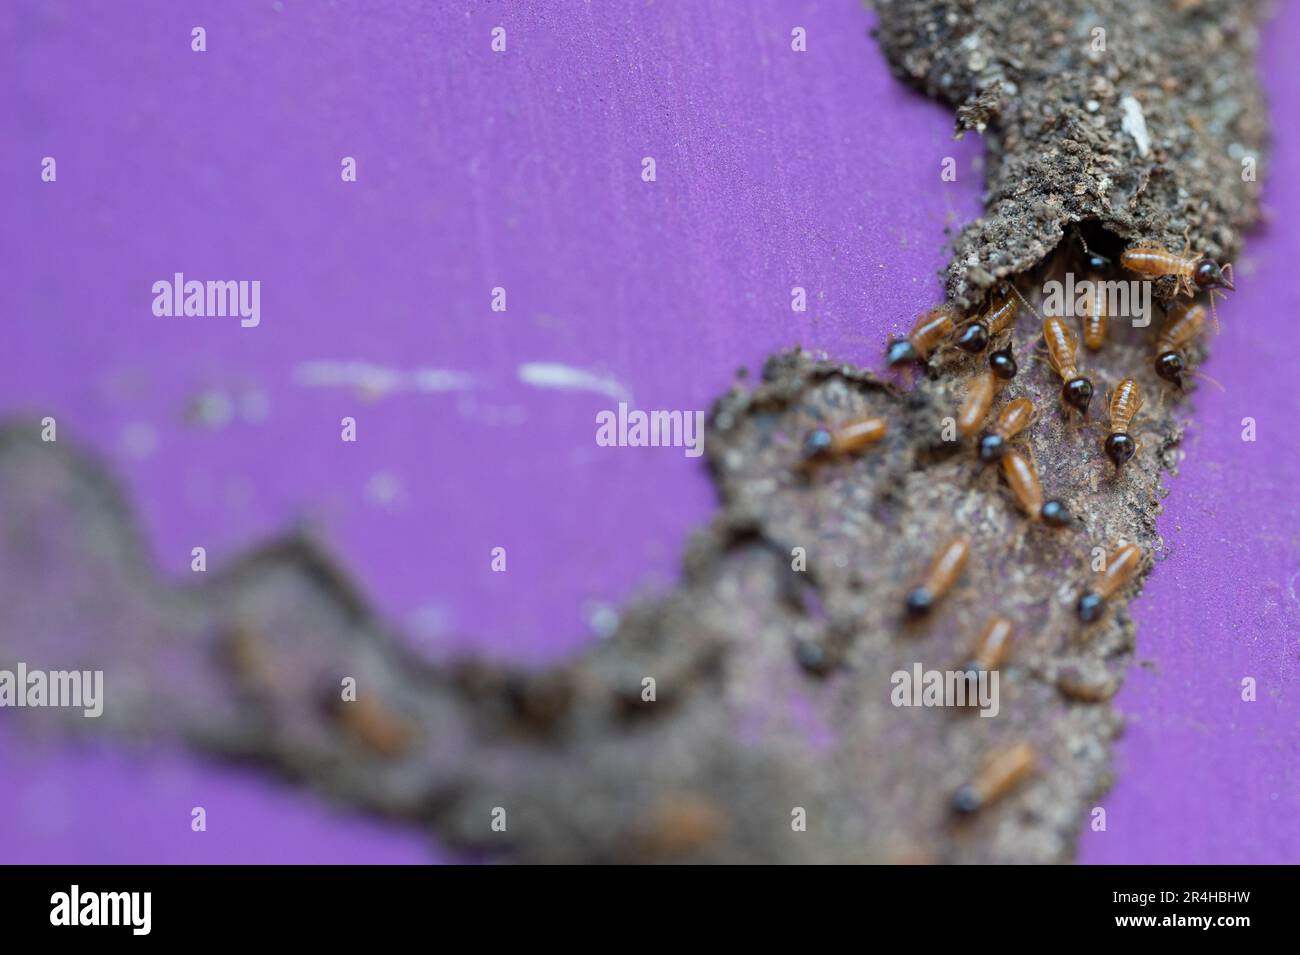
column 943, row 572
column 1001, row 772
column 1022, row 477
column 1193, row 272
column 1061, row 348
column 371, row 723
column 926, row 335
column 1121, row 567
column 1095, row 318
column 1181, row 326
column 849, row 438
column 1003, row 363
column 975, row 408
column 993, row 645
column 1001, row 312
column 1014, row 417
column 1125, row 403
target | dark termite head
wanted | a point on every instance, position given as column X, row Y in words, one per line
column 817, row 444
column 1098, row 263
column 974, row 338
column 966, row 800
column 1003, row 364
column 992, row 448
column 1208, row 275
column 1077, row 393
column 1120, row 448
column 1056, row 514
column 813, row 657
column 919, row 602
column 900, row 352
column 1091, row 606
column 1170, row 366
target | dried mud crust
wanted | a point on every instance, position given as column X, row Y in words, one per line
column 773, row 686
column 1052, row 111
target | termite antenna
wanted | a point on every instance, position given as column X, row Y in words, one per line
column 1024, row 302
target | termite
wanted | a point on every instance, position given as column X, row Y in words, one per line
column 926, row 335
column 1121, row 567
column 993, row 645
column 975, row 408
column 1061, row 347
column 944, row 570
column 1014, row 417
column 1000, row 773
column 1001, row 312
column 372, row 724
column 1193, row 272
column 1022, row 477
column 1003, row 363
column 1125, row 403
column 1095, row 318
column 1181, row 326
column 849, row 438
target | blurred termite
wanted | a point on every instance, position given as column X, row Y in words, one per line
column 995, row 319
column 1014, row 417
column 926, row 335
column 948, row 563
column 849, row 438
column 1022, row 477
column 975, row 408
column 1121, row 567
column 1095, row 317
column 993, row 646
column 373, row 725
column 1000, row 774
column 1125, row 403
column 1061, row 348
column 1182, row 325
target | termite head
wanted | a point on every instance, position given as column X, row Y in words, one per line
column 1003, row 364
column 974, row 338
column 1098, row 263
column 817, row 444
column 1077, row 393
column 992, row 448
column 1169, row 366
column 1091, row 606
column 919, row 602
column 900, row 352
column 1120, row 448
column 967, row 800
column 1056, row 514
column 1207, row 275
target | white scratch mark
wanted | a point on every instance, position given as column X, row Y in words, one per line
column 378, row 380
column 547, row 374
column 1135, row 124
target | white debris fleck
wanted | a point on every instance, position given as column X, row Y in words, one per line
column 547, row 374
column 1135, row 124
column 378, row 380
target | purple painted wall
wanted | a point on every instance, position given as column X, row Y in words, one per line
column 522, row 169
